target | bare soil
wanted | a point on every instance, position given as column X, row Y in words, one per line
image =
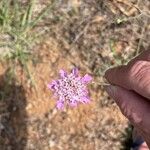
column 87, row 37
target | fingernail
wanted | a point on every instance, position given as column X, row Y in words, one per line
column 111, row 90
column 106, row 73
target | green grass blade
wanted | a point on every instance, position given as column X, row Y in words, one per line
column 24, row 18
column 111, row 45
column 5, row 12
column 30, row 11
column 16, row 10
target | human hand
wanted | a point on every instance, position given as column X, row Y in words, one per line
column 130, row 88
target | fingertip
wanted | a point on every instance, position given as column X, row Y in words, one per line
column 111, row 90
column 107, row 74
column 131, row 104
column 118, row 76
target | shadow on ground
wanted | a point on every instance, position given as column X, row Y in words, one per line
column 13, row 131
column 127, row 138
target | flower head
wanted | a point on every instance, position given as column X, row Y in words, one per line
column 71, row 89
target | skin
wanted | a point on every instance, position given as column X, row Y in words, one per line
column 130, row 88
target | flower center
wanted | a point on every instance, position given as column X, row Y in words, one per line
column 70, row 88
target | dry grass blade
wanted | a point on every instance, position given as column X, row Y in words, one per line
column 42, row 14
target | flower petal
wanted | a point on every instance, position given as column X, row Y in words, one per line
column 62, row 73
column 87, row 78
column 85, row 100
column 52, row 85
column 75, row 71
column 73, row 104
column 60, row 105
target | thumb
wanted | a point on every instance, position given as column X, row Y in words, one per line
column 132, row 105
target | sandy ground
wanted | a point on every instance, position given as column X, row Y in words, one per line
column 86, row 34
column 33, row 122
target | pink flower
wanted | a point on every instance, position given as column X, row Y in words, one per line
column 71, row 89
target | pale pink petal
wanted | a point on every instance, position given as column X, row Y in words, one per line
column 52, row 85
column 70, row 86
column 62, row 73
column 73, row 104
column 60, row 105
column 87, row 78
column 85, row 100
column 75, row 71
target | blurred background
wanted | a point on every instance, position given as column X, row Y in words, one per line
column 40, row 37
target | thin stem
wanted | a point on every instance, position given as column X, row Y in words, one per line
column 101, row 83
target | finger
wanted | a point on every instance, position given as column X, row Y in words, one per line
column 120, row 75
column 132, row 77
column 132, row 105
column 145, row 55
column 123, row 70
